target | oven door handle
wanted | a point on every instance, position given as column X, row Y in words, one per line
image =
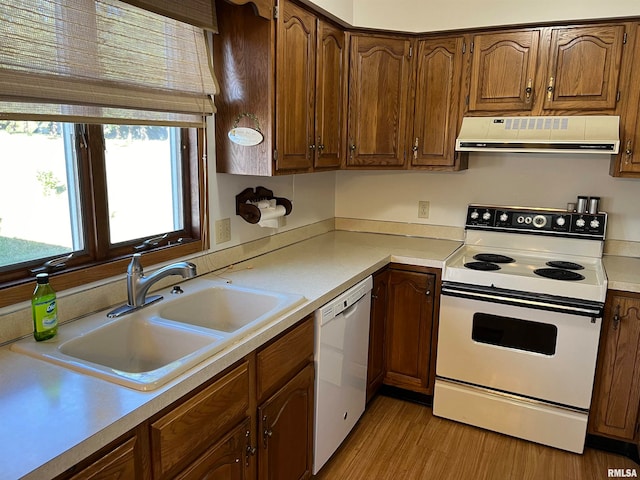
column 523, row 299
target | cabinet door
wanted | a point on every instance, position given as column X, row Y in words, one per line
column 584, row 67
column 378, row 95
column 627, row 163
column 331, row 74
column 375, row 367
column 285, row 425
column 502, row 71
column 614, row 410
column 409, row 329
column 230, row 459
column 295, row 87
column 437, row 104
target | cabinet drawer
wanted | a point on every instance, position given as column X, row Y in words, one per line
column 198, row 422
column 280, row 360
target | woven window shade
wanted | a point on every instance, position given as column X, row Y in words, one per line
column 102, row 60
column 201, row 13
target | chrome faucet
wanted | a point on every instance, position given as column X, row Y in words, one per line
column 138, row 284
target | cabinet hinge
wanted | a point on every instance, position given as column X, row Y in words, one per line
column 471, row 48
column 624, row 38
column 410, row 51
column 618, row 96
column 466, row 100
column 275, row 12
column 464, row 47
column 275, row 155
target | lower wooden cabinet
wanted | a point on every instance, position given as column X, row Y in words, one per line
column 229, row 459
column 120, row 463
column 616, row 398
column 403, row 329
column 285, row 423
column 375, row 367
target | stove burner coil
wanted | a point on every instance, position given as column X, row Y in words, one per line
column 485, row 266
column 493, row 258
column 565, row 265
column 558, row 274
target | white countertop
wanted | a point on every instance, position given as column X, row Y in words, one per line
column 52, row 417
column 623, row 273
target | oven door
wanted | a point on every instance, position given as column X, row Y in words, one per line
column 539, row 347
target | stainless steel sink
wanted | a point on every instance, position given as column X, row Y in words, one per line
column 146, row 349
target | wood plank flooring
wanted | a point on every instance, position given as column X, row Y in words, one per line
column 400, row 440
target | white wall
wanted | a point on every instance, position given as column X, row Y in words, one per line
column 432, row 15
column 503, row 179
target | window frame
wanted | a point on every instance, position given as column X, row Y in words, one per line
column 99, row 260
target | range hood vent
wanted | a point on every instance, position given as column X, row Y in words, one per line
column 574, row 134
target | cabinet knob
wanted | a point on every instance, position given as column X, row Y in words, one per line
column 616, row 318
column 312, row 147
column 528, row 91
column 550, row 88
column 628, row 151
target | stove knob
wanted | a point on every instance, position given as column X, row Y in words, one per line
column 486, row 216
column 595, row 223
column 539, row 221
column 504, row 217
column 474, row 215
column 580, row 222
column 560, row 221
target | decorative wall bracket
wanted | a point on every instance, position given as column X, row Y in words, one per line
column 247, row 200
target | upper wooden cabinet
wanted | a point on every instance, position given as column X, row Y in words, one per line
column 503, row 69
column 560, row 69
column 627, row 162
column 378, row 101
column 285, row 76
column 437, row 112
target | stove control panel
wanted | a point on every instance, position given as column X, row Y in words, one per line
column 543, row 221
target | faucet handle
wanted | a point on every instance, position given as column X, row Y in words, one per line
column 135, row 266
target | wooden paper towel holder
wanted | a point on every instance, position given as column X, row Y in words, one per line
column 245, row 203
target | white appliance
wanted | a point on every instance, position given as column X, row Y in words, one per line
column 341, row 351
column 520, row 316
column 573, row 134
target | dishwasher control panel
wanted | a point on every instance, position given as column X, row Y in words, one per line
column 347, row 299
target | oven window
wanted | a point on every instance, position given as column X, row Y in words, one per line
column 514, row 333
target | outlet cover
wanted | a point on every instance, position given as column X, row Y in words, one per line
column 223, row 230
column 423, row 209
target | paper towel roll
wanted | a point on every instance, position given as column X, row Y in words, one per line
column 272, row 217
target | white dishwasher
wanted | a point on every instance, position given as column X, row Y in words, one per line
column 341, row 351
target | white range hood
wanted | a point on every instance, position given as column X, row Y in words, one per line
column 573, row 134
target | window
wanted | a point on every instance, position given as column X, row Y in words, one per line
column 98, row 192
column 102, row 108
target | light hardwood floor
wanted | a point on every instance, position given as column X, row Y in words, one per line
column 400, row 440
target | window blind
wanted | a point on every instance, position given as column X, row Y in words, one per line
column 201, row 13
column 102, row 60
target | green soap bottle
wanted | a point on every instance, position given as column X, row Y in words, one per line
column 45, row 309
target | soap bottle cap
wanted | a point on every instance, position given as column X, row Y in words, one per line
column 42, row 278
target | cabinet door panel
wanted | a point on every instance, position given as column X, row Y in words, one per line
column 120, row 463
column 375, row 366
column 285, row 426
column 502, row 71
column 330, row 96
column 584, row 67
column 378, row 95
column 437, row 103
column 227, row 460
column 409, row 330
column 296, row 43
column 617, row 395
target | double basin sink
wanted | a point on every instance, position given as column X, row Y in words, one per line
column 150, row 346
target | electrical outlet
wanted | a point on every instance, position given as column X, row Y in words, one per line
column 423, row 209
column 223, row 230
